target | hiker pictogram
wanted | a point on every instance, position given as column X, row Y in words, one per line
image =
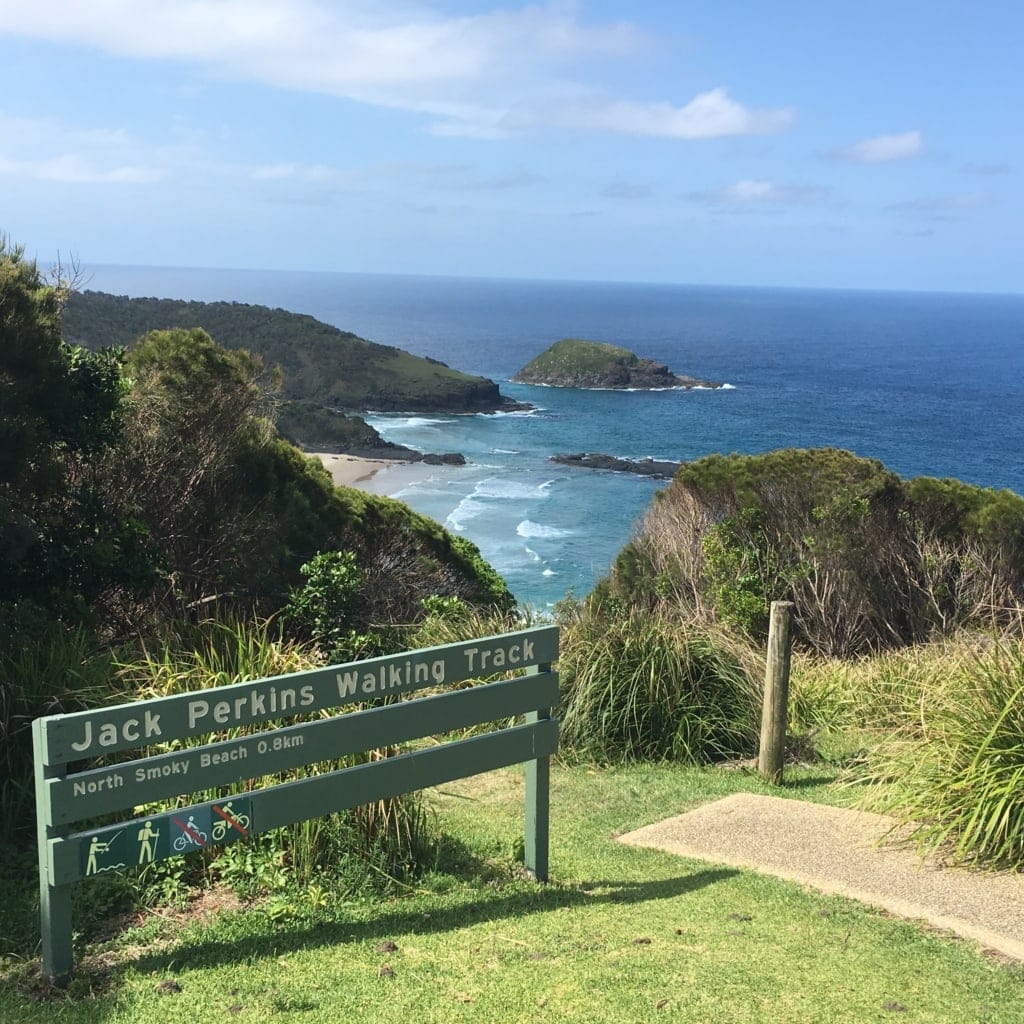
column 147, row 836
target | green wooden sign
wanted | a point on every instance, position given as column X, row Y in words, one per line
column 64, row 797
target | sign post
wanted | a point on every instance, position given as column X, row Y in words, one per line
column 65, row 799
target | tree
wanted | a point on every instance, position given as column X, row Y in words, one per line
column 60, row 409
column 196, row 413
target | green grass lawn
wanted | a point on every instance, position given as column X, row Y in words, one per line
column 620, row 934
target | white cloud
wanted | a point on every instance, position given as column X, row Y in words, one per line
column 883, row 148
column 754, row 191
column 326, row 47
column 709, row 115
column 45, row 149
column 485, row 75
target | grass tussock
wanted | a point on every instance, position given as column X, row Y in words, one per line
column 955, row 770
column 637, row 686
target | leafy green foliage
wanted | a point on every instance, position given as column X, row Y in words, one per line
column 737, row 577
column 323, row 608
column 870, row 561
column 320, row 363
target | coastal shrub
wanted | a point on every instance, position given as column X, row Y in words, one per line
column 321, row 611
column 870, row 561
column 47, row 669
column 235, row 512
column 637, row 686
column 955, row 773
column 62, row 546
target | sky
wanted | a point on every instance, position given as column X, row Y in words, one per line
column 803, row 143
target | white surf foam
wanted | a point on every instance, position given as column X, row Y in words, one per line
column 528, row 528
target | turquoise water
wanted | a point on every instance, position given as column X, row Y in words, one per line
column 928, row 384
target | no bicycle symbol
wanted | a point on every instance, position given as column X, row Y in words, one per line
column 214, row 825
column 235, row 820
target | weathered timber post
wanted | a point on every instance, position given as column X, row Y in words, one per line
column 775, row 712
column 538, row 786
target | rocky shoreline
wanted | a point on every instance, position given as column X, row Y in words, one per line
column 660, row 469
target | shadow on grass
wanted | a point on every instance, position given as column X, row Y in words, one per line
column 808, row 782
column 275, row 939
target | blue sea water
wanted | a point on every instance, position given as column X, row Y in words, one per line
column 927, row 383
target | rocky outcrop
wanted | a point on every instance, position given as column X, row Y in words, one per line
column 658, row 468
column 577, row 363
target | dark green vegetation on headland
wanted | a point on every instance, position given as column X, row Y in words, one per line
column 872, row 561
column 324, row 370
column 144, row 492
column 577, row 363
column 318, row 362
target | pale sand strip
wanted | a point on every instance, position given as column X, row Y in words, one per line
column 350, row 470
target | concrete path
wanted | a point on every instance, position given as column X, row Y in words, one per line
column 836, row 851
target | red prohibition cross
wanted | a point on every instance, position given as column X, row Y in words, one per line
column 233, row 822
column 196, row 836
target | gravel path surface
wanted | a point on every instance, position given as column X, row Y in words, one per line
column 837, row 851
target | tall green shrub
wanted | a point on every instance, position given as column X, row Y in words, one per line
column 637, row 686
column 955, row 771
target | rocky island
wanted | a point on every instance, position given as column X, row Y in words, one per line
column 578, row 363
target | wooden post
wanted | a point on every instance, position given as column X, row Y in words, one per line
column 536, row 824
column 54, row 900
column 775, row 712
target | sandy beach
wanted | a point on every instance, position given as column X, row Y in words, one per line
column 350, row 470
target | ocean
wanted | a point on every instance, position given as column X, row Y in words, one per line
column 927, row 383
